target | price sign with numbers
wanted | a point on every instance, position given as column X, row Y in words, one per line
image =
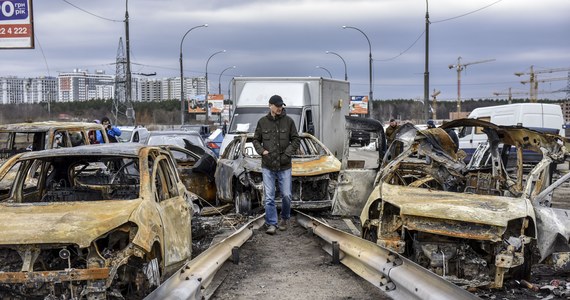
column 16, row 24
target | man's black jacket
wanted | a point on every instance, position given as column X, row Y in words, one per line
column 279, row 136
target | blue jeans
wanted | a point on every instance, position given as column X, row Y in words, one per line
column 284, row 181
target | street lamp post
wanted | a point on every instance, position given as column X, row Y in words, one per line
column 344, row 62
column 370, row 96
column 220, row 79
column 426, row 72
column 207, row 92
column 319, row 67
column 182, row 74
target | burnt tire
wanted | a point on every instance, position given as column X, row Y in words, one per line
column 242, row 200
column 370, row 234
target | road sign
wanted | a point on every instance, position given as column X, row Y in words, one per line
column 16, row 24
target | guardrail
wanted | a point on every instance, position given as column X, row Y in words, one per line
column 196, row 275
column 397, row 276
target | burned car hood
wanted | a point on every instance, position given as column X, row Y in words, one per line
column 312, row 166
column 481, row 209
column 62, row 223
column 315, row 166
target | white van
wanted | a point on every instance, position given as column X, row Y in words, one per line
column 537, row 116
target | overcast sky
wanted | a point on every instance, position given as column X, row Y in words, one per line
column 290, row 37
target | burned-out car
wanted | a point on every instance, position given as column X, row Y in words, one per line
column 314, row 174
column 197, row 168
column 34, row 136
column 91, row 222
column 475, row 224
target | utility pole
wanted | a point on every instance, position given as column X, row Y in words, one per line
column 460, row 67
column 130, row 112
column 122, row 104
column 426, row 72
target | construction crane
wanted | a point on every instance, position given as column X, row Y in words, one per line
column 510, row 94
column 533, row 82
column 460, row 67
column 434, row 104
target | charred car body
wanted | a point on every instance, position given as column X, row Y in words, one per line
column 314, row 173
column 35, row 136
column 91, row 222
column 473, row 224
column 197, row 168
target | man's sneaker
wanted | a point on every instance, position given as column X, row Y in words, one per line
column 283, row 224
column 270, row 229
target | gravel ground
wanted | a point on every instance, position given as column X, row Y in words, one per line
column 288, row 265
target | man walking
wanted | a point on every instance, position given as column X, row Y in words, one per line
column 276, row 139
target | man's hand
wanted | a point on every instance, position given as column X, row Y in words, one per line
column 265, row 152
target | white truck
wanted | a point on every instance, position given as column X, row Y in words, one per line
column 317, row 105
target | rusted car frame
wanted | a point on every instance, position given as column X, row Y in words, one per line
column 314, row 173
column 474, row 224
column 91, row 222
column 34, row 136
column 196, row 168
column 355, row 181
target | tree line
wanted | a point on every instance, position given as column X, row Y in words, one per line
column 168, row 112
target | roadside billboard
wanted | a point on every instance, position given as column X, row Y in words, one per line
column 358, row 105
column 16, row 24
column 215, row 102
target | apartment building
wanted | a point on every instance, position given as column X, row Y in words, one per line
column 15, row 90
column 81, row 85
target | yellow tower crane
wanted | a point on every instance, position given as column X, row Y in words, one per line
column 533, row 82
column 510, row 93
column 460, row 67
column 434, row 108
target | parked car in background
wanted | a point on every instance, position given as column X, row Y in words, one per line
column 214, row 141
column 126, row 133
column 102, row 222
column 180, row 138
column 34, row 136
column 203, row 130
column 239, row 179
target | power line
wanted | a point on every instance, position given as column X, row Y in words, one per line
column 43, row 54
column 423, row 32
column 410, row 47
column 88, row 12
column 466, row 14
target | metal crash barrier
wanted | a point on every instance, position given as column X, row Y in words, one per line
column 397, row 276
column 196, row 275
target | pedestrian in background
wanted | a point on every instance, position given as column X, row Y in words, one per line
column 391, row 131
column 112, row 131
column 276, row 139
column 390, row 137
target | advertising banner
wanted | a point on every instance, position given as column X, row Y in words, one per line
column 16, row 24
column 358, row 105
column 215, row 102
